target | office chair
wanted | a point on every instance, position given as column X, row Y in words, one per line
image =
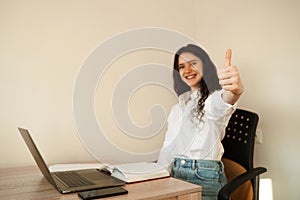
column 239, row 140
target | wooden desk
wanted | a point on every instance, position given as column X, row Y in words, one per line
column 28, row 183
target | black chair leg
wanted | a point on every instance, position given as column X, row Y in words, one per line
column 256, row 193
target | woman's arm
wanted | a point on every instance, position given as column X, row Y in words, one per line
column 230, row 81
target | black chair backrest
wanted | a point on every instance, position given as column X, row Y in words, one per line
column 240, row 138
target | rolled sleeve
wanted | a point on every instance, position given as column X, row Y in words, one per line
column 216, row 108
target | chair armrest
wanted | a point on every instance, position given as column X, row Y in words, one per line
column 226, row 190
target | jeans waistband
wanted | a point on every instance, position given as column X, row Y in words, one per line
column 192, row 163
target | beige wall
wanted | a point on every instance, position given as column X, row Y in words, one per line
column 43, row 44
column 264, row 36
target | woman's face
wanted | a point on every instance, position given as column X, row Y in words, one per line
column 190, row 68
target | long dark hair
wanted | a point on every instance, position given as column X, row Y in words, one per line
column 209, row 82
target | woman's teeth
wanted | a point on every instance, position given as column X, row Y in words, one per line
column 190, row 77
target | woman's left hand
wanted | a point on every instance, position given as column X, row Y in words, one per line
column 230, row 81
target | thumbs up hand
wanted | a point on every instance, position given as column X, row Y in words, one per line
column 230, row 80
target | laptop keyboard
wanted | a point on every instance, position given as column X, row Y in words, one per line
column 72, row 179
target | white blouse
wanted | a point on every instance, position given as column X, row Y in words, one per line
column 187, row 136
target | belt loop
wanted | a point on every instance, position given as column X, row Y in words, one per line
column 194, row 164
column 221, row 165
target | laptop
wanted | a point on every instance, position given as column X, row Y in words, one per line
column 70, row 181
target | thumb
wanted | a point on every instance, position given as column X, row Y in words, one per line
column 228, row 58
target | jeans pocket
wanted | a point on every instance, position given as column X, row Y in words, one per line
column 206, row 174
column 210, row 180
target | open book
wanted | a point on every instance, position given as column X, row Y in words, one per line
column 128, row 172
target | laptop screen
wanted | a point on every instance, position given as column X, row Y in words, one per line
column 36, row 155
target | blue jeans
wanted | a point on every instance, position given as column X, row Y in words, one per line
column 207, row 173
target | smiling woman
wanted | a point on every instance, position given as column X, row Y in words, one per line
column 196, row 124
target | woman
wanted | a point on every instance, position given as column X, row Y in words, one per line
column 196, row 124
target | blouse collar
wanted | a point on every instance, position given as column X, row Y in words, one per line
column 187, row 96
